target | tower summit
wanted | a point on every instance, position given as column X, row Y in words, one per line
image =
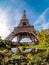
column 24, row 15
column 24, row 30
column 24, row 21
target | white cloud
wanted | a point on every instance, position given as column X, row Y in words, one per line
column 4, row 29
column 46, row 25
column 8, row 20
column 41, row 21
column 26, row 40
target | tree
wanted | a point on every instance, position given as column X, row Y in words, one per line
column 42, row 37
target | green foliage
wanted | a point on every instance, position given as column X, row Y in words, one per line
column 43, row 38
column 40, row 58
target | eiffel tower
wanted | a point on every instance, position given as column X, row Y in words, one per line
column 23, row 30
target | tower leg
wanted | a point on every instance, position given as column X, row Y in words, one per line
column 18, row 39
column 33, row 40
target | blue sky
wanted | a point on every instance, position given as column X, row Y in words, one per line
column 11, row 12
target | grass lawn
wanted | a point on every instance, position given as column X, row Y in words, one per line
column 36, row 46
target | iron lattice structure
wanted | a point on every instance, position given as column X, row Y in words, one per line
column 24, row 30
